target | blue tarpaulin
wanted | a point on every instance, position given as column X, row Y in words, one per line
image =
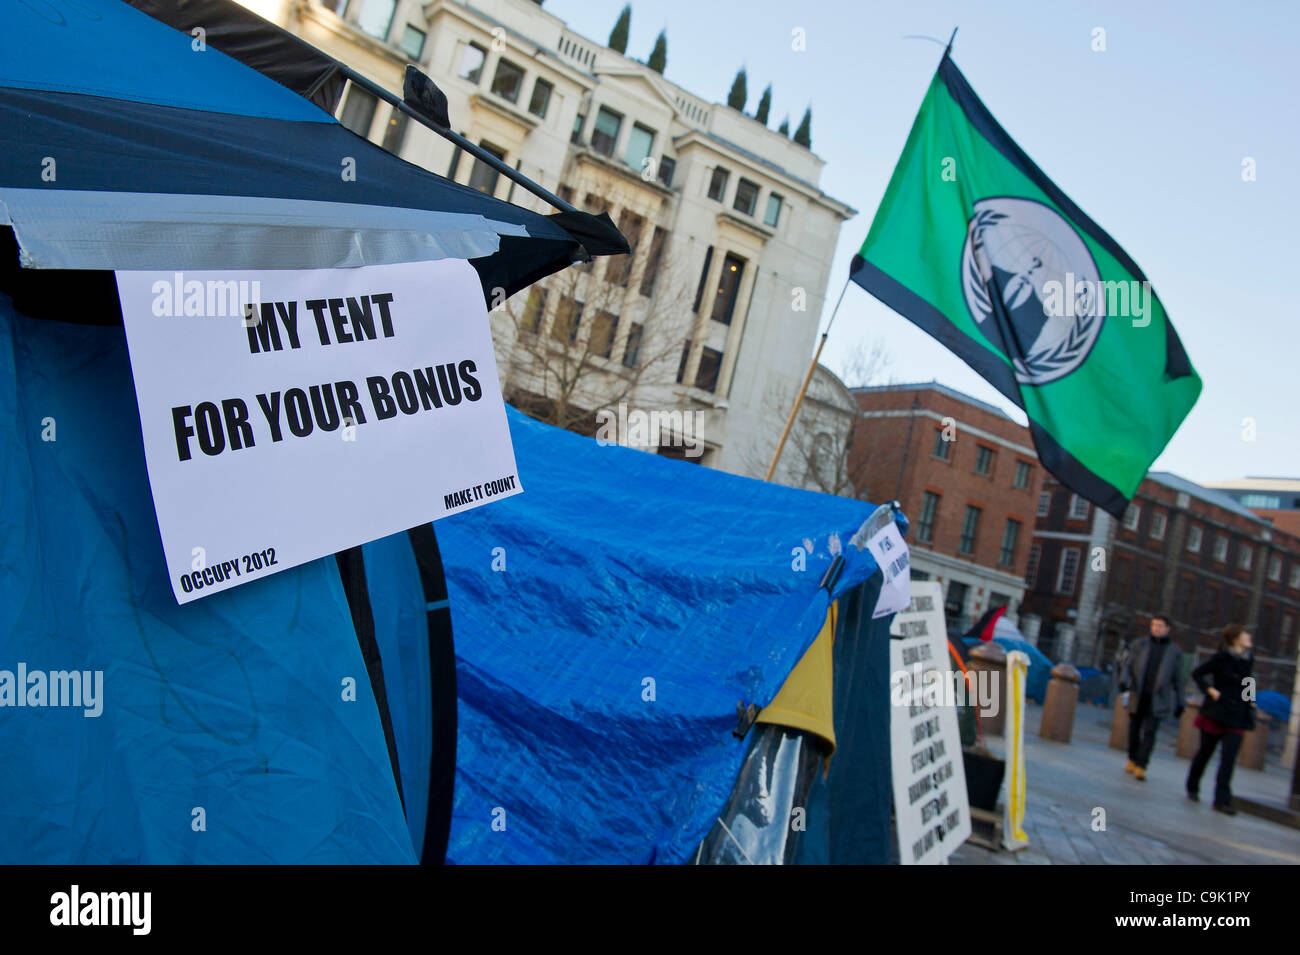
column 607, row 622
column 634, row 601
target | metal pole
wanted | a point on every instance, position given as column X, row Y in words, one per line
column 803, row 389
column 474, row 150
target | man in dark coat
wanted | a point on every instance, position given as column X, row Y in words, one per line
column 1154, row 678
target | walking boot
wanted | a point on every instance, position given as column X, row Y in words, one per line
column 1140, row 774
column 1130, row 766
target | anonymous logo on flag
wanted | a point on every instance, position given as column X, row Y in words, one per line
column 1015, row 247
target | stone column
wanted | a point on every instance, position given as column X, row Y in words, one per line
column 1065, row 641
column 1030, row 624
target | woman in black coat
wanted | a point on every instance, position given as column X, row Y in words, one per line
column 1226, row 714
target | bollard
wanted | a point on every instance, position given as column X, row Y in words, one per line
column 991, row 658
column 1119, row 723
column 1059, row 704
column 1255, row 745
column 1189, row 737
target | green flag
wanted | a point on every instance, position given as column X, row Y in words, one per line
column 973, row 243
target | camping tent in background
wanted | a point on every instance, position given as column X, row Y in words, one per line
column 1275, row 704
column 310, row 716
column 1008, row 636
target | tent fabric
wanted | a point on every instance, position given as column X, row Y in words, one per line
column 1009, row 638
column 105, row 48
column 806, row 698
column 608, row 620
column 848, row 818
column 106, row 99
column 233, row 704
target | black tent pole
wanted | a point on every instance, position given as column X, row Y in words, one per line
column 478, row 152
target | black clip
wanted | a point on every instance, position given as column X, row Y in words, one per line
column 745, row 716
column 832, row 573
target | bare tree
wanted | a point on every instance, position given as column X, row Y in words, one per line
column 820, row 449
column 598, row 334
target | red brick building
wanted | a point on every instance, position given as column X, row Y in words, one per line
column 1184, row 550
column 968, row 479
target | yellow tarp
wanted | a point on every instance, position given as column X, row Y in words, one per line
column 805, row 699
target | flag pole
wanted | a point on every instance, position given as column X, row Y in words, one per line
column 803, row 389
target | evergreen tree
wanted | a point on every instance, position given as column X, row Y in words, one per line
column 618, row 35
column 659, row 55
column 739, row 95
column 764, row 105
column 784, row 128
column 803, row 135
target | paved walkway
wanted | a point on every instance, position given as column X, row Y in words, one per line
column 1147, row 823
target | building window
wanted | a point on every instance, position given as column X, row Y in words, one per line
column 667, row 166
column 1078, row 508
column 359, row 111
column 746, row 197
column 639, row 143
column 508, row 81
column 925, row 523
column 1295, row 576
column 718, row 184
column 704, row 279
column 632, row 349
column 1158, row 520
column 773, row 213
column 1150, row 577
column 541, row 98
column 685, row 360
column 1131, row 515
column 1275, row 568
column 1194, row 539
column 1044, row 503
column 412, row 42
column 568, row 319
column 471, row 63
column 653, row 261
column 376, row 17
column 1220, row 548
column 1211, row 606
column 1031, row 568
column 1262, row 501
column 733, row 267
column 1068, row 571
column 955, row 603
column 1246, row 556
column 395, row 131
column 605, row 135
column 603, row 330
column 534, row 309
column 1023, row 470
column 1007, row 552
column 941, row 445
column 706, row 376
column 969, row 526
column 983, row 459
column 576, row 136
column 483, row 177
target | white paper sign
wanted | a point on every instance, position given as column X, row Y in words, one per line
column 292, row 414
column 931, row 805
column 895, row 562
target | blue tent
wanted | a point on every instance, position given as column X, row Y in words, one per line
column 312, row 716
column 1040, row 667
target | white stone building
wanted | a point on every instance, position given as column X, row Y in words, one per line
column 715, row 312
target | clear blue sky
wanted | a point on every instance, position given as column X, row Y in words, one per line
column 1148, row 137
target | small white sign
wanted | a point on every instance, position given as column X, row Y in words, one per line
column 292, row 414
column 931, row 806
column 895, row 561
